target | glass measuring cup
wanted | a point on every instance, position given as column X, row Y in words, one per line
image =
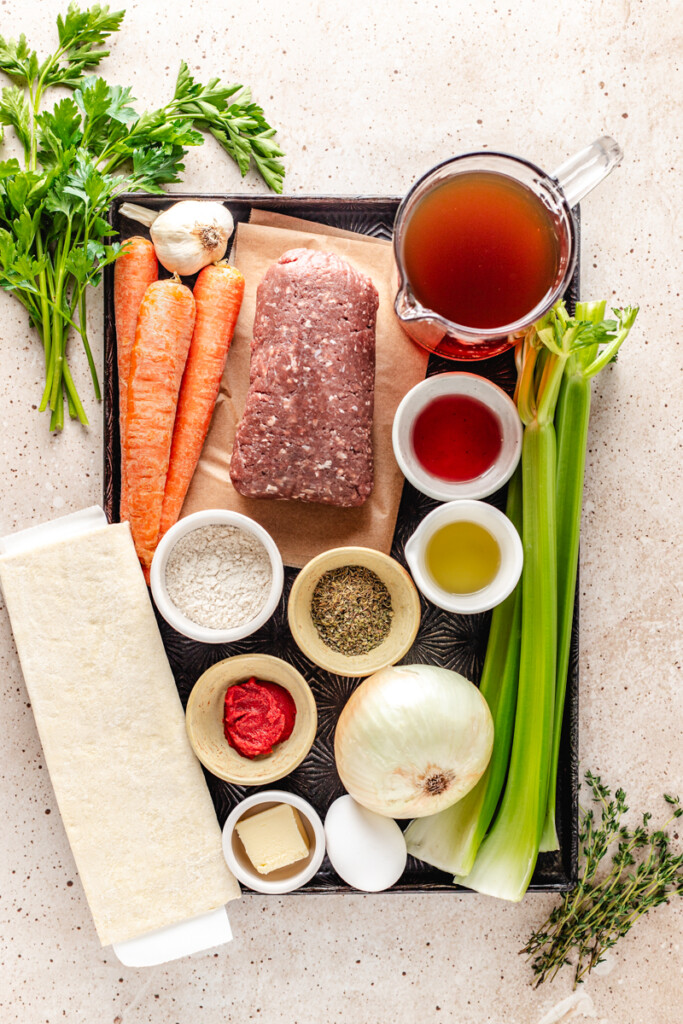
column 554, row 195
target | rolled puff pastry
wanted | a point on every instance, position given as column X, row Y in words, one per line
column 131, row 793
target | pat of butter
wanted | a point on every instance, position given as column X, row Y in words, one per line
column 274, row 838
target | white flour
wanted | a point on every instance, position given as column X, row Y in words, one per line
column 219, row 576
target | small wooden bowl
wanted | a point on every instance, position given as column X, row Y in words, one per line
column 204, row 720
column 404, row 601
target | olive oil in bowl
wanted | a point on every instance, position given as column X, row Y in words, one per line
column 462, row 557
column 465, row 556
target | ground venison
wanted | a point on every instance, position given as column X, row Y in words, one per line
column 306, row 432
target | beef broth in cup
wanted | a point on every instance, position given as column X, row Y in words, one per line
column 486, row 243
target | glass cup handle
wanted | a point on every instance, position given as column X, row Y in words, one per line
column 582, row 172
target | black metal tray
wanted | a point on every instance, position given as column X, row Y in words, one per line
column 455, row 641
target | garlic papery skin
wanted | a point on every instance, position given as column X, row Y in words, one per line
column 189, row 235
column 412, row 740
column 140, row 214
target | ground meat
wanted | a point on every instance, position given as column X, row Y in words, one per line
column 306, row 432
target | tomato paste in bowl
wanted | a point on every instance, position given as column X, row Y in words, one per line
column 260, row 733
column 257, row 715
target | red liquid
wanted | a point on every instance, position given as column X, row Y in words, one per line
column 481, row 250
column 457, row 438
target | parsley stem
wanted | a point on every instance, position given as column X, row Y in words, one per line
column 73, row 394
column 82, row 316
column 58, row 340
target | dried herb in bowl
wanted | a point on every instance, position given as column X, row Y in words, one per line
column 351, row 610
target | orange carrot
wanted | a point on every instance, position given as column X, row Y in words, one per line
column 135, row 268
column 162, row 341
column 218, row 295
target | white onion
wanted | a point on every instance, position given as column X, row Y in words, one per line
column 412, row 740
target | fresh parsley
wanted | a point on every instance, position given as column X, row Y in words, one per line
column 54, row 236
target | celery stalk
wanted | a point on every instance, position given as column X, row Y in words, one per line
column 571, row 424
column 507, row 856
column 450, row 839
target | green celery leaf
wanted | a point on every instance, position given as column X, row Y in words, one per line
column 85, row 264
column 91, row 27
column 8, row 249
column 105, row 113
column 92, row 97
column 159, row 127
column 17, row 190
column 21, row 272
column 272, row 172
column 88, row 184
column 238, row 148
column 78, row 264
column 264, row 144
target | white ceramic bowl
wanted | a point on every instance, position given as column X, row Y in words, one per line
column 283, row 879
column 498, row 525
column 180, row 621
column 490, row 395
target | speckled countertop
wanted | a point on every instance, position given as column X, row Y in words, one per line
column 366, row 98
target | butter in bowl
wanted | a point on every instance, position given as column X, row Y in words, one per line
column 251, row 719
column 274, row 841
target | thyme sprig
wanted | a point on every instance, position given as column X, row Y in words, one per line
column 643, row 873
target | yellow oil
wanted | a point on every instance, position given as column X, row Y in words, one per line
column 462, row 557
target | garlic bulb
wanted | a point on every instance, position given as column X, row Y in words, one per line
column 412, row 740
column 189, row 235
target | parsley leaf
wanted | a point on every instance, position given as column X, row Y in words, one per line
column 18, row 61
column 15, row 112
column 82, row 35
column 59, row 131
column 239, row 126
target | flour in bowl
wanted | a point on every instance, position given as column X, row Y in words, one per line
column 219, row 576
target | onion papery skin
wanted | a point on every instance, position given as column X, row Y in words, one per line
column 413, row 740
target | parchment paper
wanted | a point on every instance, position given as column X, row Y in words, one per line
column 301, row 529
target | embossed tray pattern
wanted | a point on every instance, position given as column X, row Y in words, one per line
column 454, row 641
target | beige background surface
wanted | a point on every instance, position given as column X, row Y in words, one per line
column 367, row 96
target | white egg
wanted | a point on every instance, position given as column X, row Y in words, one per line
column 366, row 849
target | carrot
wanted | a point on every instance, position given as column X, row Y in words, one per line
column 162, row 341
column 218, row 295
column 135, row 268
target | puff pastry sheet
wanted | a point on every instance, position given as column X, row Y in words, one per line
column 132, row 795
